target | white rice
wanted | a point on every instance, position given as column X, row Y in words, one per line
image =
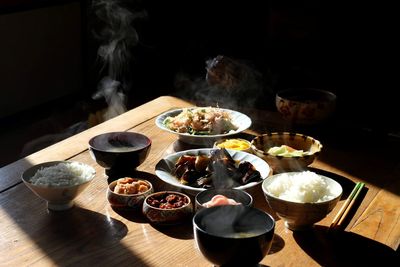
column 303, row 187
column 62, row 174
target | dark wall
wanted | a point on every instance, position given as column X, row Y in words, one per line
column 342, row 47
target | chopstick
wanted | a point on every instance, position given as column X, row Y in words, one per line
column 348, row 204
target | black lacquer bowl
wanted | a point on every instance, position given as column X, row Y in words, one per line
column 120, row 153
column 233, row 235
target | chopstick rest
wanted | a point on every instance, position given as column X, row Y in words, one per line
column 348, row 204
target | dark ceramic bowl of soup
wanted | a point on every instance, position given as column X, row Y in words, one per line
column 233, row 235
column 120, row 153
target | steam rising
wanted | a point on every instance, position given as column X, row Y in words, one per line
column 234, row 221
column 118, row 37
column 228, row 83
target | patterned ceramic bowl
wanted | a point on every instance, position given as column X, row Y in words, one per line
column 305, row 106
column 308, row 149
column 127, row 201
column 301, row 215
column 58, row 182
column 167, row 208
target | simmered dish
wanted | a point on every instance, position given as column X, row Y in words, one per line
column 217, row 170
column 167, row 201
column 201, row 121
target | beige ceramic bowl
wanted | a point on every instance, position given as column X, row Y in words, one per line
column 127, row 201
column 301, row 216
column 167, row 216
column 261, row 144
column 57, row 197
column 305, row 105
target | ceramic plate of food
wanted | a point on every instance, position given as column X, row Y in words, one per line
column 203, row 125
column 196, row 170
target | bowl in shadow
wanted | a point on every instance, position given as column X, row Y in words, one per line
column 305, row 105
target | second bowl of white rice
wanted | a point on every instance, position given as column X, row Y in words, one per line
column 301, row 198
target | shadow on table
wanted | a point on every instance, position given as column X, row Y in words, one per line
column 342, row 248
column 73, row 237
column 184, row 231
column 370, row 158
column 277, row 244
column 81, row 238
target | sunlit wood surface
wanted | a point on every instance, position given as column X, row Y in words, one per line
column 92, row 233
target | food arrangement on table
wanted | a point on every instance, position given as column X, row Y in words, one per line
column 227, row 165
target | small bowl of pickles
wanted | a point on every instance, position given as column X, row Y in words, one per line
column 286, row 151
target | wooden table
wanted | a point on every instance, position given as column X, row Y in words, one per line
column 92, row 233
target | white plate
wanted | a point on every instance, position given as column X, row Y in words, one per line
column 240, row 120
column 165, row 167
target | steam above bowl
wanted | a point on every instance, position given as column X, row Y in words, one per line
column 233, row 235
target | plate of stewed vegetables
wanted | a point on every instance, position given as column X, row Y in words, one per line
column 196, row 170
column 203, row 125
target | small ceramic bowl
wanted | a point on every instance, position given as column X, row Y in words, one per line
column 127, row 201
column 305, row 105
column 234, row 143
column 233, row 235
column 120, row 153
column 311, row 148
column 239, row 196
column 57, row 182
column 301, row 215
column 167, row 208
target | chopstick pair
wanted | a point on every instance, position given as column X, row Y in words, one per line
column 348, row 204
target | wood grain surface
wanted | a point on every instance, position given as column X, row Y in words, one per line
column 92, row 233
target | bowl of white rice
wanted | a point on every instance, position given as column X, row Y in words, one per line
column 58, row 182
column 301, row 199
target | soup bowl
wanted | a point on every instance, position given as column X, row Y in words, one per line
column 233, row 235
column 120, row 153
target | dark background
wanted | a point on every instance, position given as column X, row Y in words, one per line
column 347, row 48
